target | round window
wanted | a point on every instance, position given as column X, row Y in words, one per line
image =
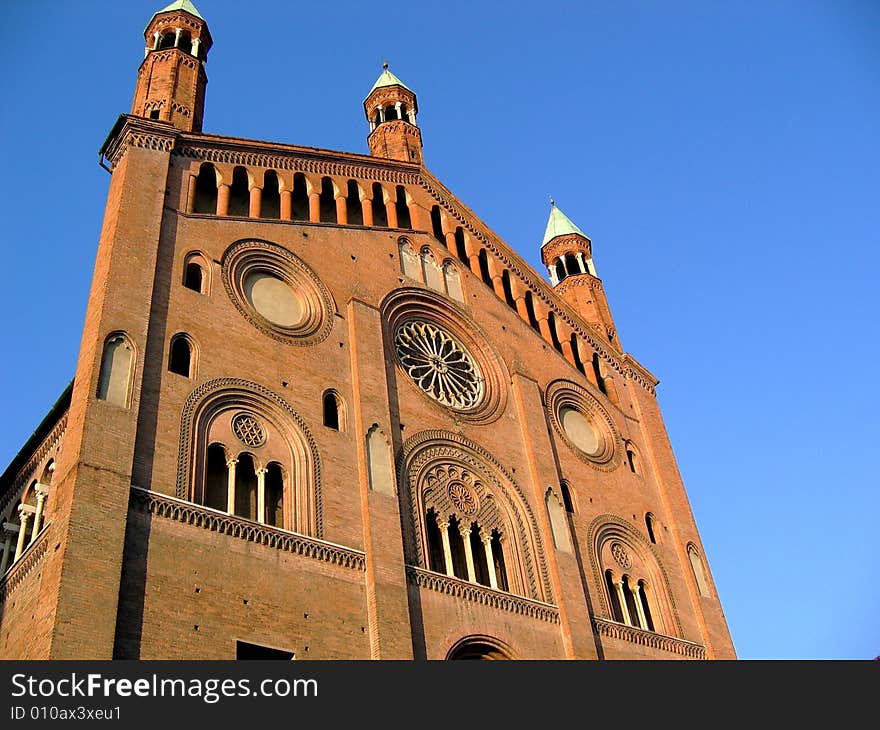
column 273, row 299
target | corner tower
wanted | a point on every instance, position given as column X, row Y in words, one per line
column 171, row 80
column 391, row 109
column 567, row 253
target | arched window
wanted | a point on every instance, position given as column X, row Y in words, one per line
column 271, row 199
column 167, row 40
column 484, row 267
column 117, row 363
column 558, row 523
column 299, row 201
column 554, row 337
column 333, row 414
column 180, row 356
column 530, row 310
column 436, row 556
column 699, row 571
column 508, row 289
column 571, row 264
column 192, row 276
column 437, row 224
column 567, row 501
column 560, row 269
column 651, row 527
column 205, row 201
column 328, row 201
column 410, row 263
column 576, row 352
column 380, row 215
column 379, row 461
column 632, row 458
column 460, row 247
column 403, row 217
column 597, row 372
column 239, row 193
column 453, row 281
column 274, row 495
column 636, row 589
column 216, row 479
column 479, row 649
column 184, row 42
column 246, row 487
column 433, row 276
column 353, row 204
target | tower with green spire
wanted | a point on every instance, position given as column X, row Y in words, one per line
column 391, row 108
column 172, row 80
column 567, row 253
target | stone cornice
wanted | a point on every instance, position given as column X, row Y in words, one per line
column 615, row 630
column 482, row 595
column 131, row 131
column 188, row 513
column 312, row 160
column 25, row 564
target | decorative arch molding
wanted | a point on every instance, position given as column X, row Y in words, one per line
column 222, row 394
column 425, row 451
column 256, row 256
column 480, row 646
column 607, row 528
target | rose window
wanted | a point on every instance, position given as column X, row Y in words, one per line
column 439, row 364
column 248, row 430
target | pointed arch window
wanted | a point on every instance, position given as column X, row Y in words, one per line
column 180, row 355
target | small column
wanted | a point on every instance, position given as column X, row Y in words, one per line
column 230, row 493
column 314, row 207
column 341, row 210
column 397, row 109
column 42, row 493
column 542, row 315
column 367, row 211
column 621, row 599
column 519, row 299
column 195, row 50
column 381, row 114
column 495, row 275
column 416, row 217
column 582, row 262
column 411, row 113
column 468, row 553
column 10, row 530
column 261, row 496
column 177, row 32
column 486, row 537
column 286, row 205
column 643, row 622
column 256, row 202
column 25, row 512
column 372, row 126
column 191, row 195
column 222, row 199
column 391, row 212
column 585, row 352
column 449, row 237
column 554, row 278
column 156, row 38
column 447, row 551
column 473, row 254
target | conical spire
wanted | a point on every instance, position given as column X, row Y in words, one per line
column 559, row 224
column 184, row 5
column 386, row 78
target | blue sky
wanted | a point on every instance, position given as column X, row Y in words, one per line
column 723, row 157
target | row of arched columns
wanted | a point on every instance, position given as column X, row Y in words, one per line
column 226, row 190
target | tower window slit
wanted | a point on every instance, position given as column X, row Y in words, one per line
column 460, row 248
column 239, row 193
column 299, row 199
column 484, row 267
column 437, row 224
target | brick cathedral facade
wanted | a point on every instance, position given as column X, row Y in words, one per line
column 322, row 411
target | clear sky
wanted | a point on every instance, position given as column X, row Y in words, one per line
column 723, row 157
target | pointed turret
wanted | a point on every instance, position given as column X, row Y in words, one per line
column 566, row 251
column 391, row 108
column 171, row 80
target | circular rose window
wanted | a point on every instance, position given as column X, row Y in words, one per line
column 439, row 364
column 277, row 292
column 579, row 430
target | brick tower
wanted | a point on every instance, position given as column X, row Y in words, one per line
column 321, row 410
